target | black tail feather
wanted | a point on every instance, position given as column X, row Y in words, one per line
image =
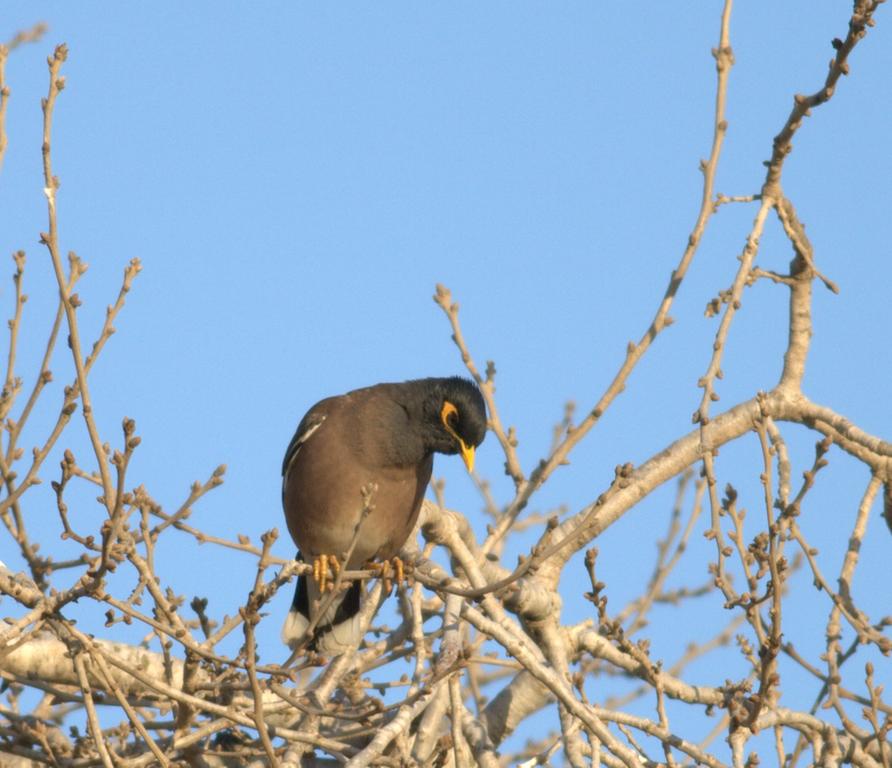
column 346, row 609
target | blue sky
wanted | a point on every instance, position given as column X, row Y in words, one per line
column 297, row 177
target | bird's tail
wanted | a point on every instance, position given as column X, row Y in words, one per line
column 337, row 630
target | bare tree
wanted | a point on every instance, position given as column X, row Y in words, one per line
column 486, row 642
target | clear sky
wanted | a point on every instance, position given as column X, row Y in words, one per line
column 297, row 177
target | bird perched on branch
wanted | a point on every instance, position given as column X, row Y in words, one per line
column 353, row 480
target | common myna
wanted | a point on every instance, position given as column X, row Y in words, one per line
column 380, row 438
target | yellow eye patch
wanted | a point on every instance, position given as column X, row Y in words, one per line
column 448, row 410
column 467, row 451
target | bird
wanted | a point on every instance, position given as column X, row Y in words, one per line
column 355, row 474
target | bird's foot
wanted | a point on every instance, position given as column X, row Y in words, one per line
column 323, row 567
column 392, row 571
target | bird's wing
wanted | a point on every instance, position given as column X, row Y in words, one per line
column 308, row 425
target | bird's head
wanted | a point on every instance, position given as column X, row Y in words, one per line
column 455, row 417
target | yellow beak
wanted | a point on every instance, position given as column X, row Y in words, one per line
column 467, row 455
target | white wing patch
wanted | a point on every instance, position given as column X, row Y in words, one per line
column 300, row 441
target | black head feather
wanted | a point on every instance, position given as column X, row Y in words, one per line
column 436, row 415
column 466, row 420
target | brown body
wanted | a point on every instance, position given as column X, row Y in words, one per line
column 322, row 492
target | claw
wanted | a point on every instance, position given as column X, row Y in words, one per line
column 335, row 566
column 323, row 565
column 391, row 572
